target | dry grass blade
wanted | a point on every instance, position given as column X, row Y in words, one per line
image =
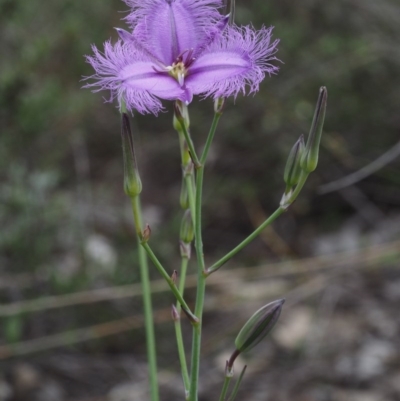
column 79, row 335
column 362, row 258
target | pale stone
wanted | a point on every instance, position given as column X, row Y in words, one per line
column 101, row 252
column 293, row 329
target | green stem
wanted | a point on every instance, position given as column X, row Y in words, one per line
column 225, row 387
column 289, row 198
column 201, row 276
column 299, row 187
column 170, row 282
column 245, row 242
column 188, row 174
column 210, row 138
column 192, row 195
column 147, row 304
column 201, row 286
column 178, row 328
column 237, row 385
column 189, row 141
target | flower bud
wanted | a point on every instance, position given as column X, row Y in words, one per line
column 132, row 181
column 293, row 170
column 258, row 326
column 187, row 229
column 309, row 159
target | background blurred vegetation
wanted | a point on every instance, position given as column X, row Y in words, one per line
column 65, row 222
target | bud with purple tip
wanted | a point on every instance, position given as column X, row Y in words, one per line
column 256, row 328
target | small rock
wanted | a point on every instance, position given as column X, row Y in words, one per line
column 359, row 396
column 392, row 290
column 346, row 240
column 49, row 391
column 101, row 252
column 394, row 382
column 370, row 361
column 372, row 358
column 129, row 392
column 26, row 378
column 6, row 391
column 293, row 330
column 382, row 322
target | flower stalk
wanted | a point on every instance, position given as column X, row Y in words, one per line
column 201, row 276
column 133, row 188
column 178, row 328
column 218, row 264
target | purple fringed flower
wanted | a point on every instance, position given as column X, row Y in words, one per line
column 181, row 48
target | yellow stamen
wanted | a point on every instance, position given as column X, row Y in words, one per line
column 178, row 71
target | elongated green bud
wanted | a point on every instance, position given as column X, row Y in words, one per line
column 309, row 159
column 258, row 326
column 187, row 229
column 293, row 170
column 132, row 181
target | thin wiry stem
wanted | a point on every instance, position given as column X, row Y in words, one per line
column 201, row 277
column 147, row 304
column 225, row 387
column 178, row 328
column 170, row 282
column 245, row 242
column 190, row 144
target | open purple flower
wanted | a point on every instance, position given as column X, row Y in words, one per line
column 181, row 48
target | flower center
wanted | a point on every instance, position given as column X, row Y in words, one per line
column 178, row 71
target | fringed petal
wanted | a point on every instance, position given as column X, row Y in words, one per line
column 130, row 75
column 172, row 27
column 240, row 58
